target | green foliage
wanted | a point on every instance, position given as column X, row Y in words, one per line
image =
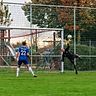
column 89, row 34
column 33, row 49
column 84, row 63
column 55, row 17
column 5, row 15
column 42, row 16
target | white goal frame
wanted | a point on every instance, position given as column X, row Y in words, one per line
column 31, row 28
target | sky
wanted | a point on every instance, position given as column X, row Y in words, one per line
column 17, row 14
column 19, row 20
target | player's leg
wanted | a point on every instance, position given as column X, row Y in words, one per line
column 75, row 69
column 29, row 68
column 18, row 68
column 76, row 56
column 72, row 61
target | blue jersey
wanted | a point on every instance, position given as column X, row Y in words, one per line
column 23, row 50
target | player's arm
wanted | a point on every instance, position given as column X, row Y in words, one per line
column 17, row 56
column 28, row 55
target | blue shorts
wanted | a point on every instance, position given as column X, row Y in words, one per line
column 22, row 61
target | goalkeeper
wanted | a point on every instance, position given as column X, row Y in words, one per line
column 70, row 56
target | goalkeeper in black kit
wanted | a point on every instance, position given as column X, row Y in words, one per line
column 70, row 56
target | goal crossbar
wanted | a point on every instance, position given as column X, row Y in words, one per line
column 29, row 28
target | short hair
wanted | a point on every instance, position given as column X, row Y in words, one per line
column 24, row 43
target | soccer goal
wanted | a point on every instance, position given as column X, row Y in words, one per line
column 44, row 45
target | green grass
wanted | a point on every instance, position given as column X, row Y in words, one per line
column 47, row 84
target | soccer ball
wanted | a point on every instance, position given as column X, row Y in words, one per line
column 69, row 36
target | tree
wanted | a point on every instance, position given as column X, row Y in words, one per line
column 43, row 16
column 62, row 17
column 5, row 20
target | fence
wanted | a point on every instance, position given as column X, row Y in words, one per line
column 77, row 21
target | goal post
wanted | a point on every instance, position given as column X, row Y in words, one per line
column 38, row 30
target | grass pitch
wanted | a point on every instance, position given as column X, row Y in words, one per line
column 47, row 84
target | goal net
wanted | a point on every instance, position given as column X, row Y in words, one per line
column 44, row 45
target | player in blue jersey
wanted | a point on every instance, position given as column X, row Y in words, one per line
column 22, row 57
